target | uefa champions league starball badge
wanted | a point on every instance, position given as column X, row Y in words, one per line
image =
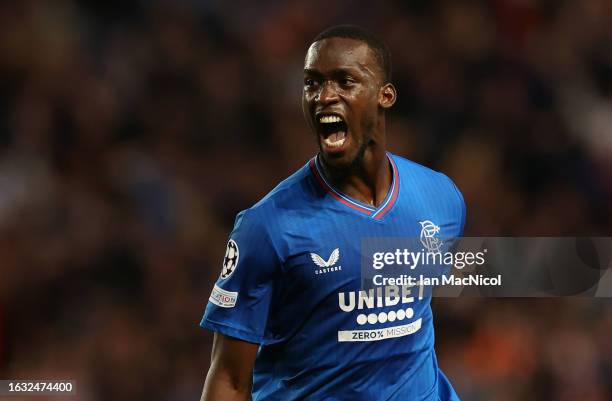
column 230, row 260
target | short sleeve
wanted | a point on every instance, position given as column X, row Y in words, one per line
column 240, row 299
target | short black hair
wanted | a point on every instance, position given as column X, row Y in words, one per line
column 380, row 49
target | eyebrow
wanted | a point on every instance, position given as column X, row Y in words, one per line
column 336, row 71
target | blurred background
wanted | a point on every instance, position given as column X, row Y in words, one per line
column 131, row 133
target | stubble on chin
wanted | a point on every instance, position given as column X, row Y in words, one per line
column 339, row 170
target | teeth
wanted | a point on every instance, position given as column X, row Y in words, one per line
column 330, row 119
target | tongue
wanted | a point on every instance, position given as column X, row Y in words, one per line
column 336, row 136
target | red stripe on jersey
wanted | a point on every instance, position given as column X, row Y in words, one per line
column 395, row 190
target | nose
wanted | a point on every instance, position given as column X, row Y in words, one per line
column 327, row 94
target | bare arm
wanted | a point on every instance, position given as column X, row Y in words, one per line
column 231, row 370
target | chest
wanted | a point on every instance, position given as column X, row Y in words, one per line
column 328, row 252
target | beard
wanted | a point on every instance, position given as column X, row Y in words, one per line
column 339, row 170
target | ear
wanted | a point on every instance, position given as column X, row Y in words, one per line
column 387, row 96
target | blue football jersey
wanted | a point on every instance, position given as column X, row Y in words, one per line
column 291, row 282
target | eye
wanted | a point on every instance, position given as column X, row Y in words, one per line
column 309, row 82
column 347, row 81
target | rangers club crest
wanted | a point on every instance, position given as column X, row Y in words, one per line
column 230, row 261
column 428, row 236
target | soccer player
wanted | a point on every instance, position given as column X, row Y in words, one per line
column 290, row 317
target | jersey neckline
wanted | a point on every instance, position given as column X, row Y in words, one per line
column 373, row 212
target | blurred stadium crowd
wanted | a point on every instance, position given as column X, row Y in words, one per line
column 131, row 133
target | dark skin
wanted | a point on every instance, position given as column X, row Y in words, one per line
column 231, row 370
column 343, row 78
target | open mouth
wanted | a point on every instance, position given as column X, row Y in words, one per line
column 333, row 131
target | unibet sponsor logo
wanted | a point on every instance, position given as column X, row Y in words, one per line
column 368, row 301
column 377, row 297
column 383, row 317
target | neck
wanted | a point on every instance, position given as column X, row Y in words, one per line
column 367, row 181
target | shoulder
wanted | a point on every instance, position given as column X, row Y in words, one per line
column 429, row 183
column 417, row 171
column 294, row 192
column 415, row 174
